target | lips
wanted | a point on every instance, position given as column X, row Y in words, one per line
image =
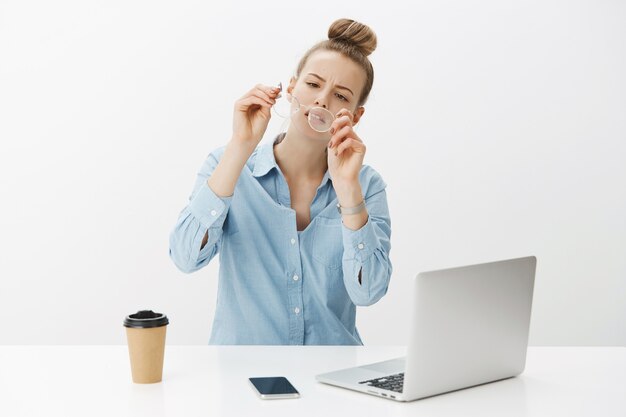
column 318, row 117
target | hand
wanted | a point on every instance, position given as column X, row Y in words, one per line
column 346, row 150
column 252, row 115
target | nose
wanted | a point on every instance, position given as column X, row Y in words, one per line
column 321, row 102
column 317, row 103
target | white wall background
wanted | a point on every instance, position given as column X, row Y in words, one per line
column 499, row 127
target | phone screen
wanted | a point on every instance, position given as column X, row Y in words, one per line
column 273, row 385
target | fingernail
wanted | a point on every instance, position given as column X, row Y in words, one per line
column 332, row 130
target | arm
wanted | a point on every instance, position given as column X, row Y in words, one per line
column 366, row 239
column 226, row 174
column 351, row 196
column 196, row 237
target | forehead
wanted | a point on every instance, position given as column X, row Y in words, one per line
column 336, row 68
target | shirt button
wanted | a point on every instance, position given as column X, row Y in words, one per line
column 361, row 246
column 293, row 241
column 213, row 212
column 295, row 277
column 296, row 310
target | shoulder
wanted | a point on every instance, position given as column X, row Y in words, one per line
column 214, row 157
column 371, row 181
column 216, row 154
column 260, row 149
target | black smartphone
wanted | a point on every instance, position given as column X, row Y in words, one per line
column 274, row 387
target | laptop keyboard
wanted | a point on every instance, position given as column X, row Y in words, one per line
column 392, row 382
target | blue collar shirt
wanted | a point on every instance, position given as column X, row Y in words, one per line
column 278, row 286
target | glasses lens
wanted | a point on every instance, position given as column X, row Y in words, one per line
column 320, row 119
column 286, row 106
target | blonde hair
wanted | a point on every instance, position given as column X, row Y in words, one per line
column 353, row 40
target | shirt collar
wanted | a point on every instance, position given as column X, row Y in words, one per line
column 265, row 161
column 325, row 179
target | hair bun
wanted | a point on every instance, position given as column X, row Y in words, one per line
column 355, row 33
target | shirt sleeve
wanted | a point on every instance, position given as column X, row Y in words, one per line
column 206, row 212
column 366, row 251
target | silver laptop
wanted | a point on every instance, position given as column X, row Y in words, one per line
column 469, row 326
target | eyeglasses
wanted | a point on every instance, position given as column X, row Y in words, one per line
column 319, row 118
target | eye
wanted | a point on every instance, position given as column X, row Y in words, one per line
column 342, row 98
column 312, row 84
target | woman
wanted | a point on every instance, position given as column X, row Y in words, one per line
column 293, row 264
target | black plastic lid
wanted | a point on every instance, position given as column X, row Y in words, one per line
column 144, row 319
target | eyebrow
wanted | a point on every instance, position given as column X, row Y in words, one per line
column 338, row 86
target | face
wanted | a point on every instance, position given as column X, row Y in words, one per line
column 329, row 80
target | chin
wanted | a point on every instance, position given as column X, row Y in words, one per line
column 322, row 138
column 309, row 133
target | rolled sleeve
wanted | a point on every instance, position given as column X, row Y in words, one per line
column 366, row 253
column 209, row 208
column 359, row 244
column 205, row 213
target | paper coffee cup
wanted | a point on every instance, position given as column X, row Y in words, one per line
column 145, row 332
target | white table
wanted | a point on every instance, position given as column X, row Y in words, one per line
column 212, row 381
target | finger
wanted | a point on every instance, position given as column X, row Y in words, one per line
column 244, row 104
column 250, row 100
column 269, row 90
column 344, row 112
column 260, row 94
column 339, row 123
column 266, row 88
column 352, row 144
column 265, row 94
column 263, row 90
column 340, row 136
column 353, row 134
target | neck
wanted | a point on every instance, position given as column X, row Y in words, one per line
column 300, row 157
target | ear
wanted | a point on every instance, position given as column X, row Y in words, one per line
column 292, row 84
column 358, row 113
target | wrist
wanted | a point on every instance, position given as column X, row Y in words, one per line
column 240, row 149
column 345, row 185
column 351, row 210
column 349, row 194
